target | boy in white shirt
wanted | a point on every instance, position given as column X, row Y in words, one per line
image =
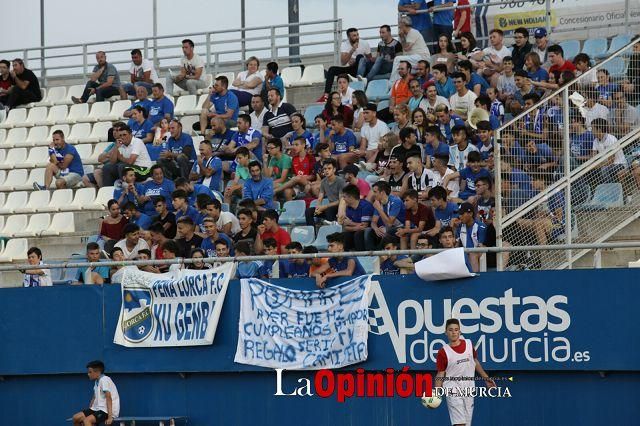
column 105, row 404
column 615, row 167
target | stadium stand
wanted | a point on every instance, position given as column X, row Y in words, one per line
column 390, row 129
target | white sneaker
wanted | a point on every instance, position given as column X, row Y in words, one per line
column 364, row 80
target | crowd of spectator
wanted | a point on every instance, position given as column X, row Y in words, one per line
column 416, row 174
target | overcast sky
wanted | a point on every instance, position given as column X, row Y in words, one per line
column 75, row 21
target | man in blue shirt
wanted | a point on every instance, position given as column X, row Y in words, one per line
column 394, row 264
column 247, row 136
column 539, row 158
column 388, row 213
column 161, row 106
column 141, row 128
column 179, row 157
column 157, row 186
column 180, row 203
column 419, row 21
column 94, row 274
column 222, row 104
column 344, row 144
column 207, row 169
column 468, row 176
column 434, row 145
column 64, row 163
column 475, row 83
column 258, row 188
column 294, row 268
column 443, row 211
column 271, row 81
column 193, row 190
column 354, row 214
column 470, row 233
column 135, row 216
column 442, row 19
column 444, row 84
column 447, row 121
column 581, row 140
column 341, row 266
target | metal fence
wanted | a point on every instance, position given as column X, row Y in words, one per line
column 567, row 168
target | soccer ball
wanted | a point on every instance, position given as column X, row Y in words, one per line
column 432, row 401
column 141, row 329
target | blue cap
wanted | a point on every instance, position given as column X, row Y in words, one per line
column 540, row 32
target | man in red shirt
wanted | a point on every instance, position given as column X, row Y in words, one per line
column 555, row 54
column 302, row 164
column 6, row 81
column 271, row 229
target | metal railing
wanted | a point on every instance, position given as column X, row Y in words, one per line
column 597, row 247
column 317, row 38
column 554, row 190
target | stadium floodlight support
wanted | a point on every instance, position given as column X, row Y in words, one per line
column 597, row 247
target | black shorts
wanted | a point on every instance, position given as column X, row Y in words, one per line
column 100, row 416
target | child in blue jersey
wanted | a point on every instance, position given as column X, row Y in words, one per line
column 444, row 211
column 470, row 233
column 497, row 108
column 128, row 191
column 271, row 268
column 105, row 403
column 337, row 266
column 182, row 207
column 394, row 264
column 468, row 176
column 484, row 134
column 294, row 268
column 132, row 212
column 250, row 268
column 447, row 240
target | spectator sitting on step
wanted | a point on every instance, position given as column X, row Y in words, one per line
column 158, row 185
column 248, row 83
column 36, row 277
column 624, row 116
column 372, row 131
column 65, row 164
column 128, row 191
column 414, row 47
column 104, row 81
column 418, row 218
column 131, row 243
column 302, row 165
column 93, row 274
column 278, row 169
column 344, row 143
column 207, row 170
column 270, row 229
column 182, row 207
column 257, row 115
column 388, row 215
column 247, row 136
column 345, row 91
column 388, row 48
column 221, row 103
column 299, row 126
column 277, row 119
column 226, row 221
column 142, row 74
column 239, row 177
column 112, row 226
column 615, row 167
column 26, row 87
column 354, row 54
column 191, row 76
column 141, row 128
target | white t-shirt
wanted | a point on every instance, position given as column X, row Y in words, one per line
column 244, row 76
column 499, row 53
column 418, row 46
column 346, row 98
column 138, row 148
column 608, row 142
column 597, row 111
column 373, row 134
column 191, row 65
column 453, row 186
column 584, row 78
column 139, row 70
column 32, row 280
column 130, row 255
column 363, row 48
column 457, row 158
column 225, row 218
column 257, row 119
column 102, row 385
column 439, row 100
column 463, row 104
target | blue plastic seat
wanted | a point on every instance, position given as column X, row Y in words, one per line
column 595, row 47
column 310, row 113
column 314, row 203
column 303, row 234
column 606, row 196
column 293, row 213
column 617, row 43
column 382, row 105
column 357, row 85
column 571, row 48
column 378, row 90
column 321, row 239
column 617, row 67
